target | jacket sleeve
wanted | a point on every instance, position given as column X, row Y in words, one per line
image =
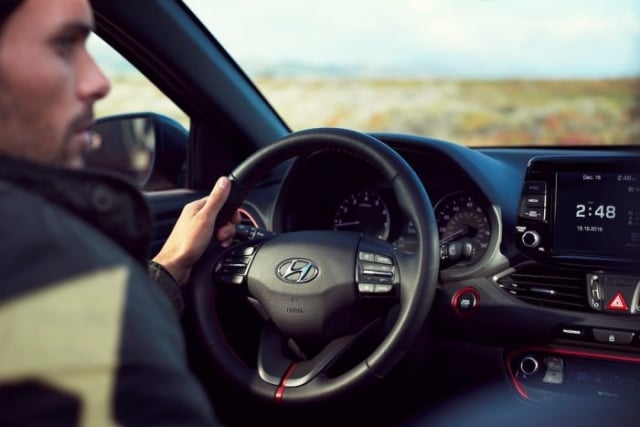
column 167, row 284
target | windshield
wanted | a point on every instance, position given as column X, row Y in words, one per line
column 475, row 72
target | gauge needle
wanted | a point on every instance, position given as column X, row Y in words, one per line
column 454, row 235
column 346, row 224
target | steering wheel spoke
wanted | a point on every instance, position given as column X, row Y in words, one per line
column 281, row 365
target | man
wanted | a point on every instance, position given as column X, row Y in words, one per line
column 87, row 338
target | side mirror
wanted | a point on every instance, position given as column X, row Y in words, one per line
column 148, row 149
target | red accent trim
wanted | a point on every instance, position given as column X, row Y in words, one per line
column 458, row 294
column 556, row 351
column 249, row 217
column 283, row 383
column 519, row 388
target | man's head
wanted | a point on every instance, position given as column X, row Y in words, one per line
column 48, row 80
column 6, row 8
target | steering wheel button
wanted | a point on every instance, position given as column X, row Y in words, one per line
column 377, row 273
column 366, row 256
column 383, row 289
column 232, row 279
column 377, row 269
column 249, row 250
column 377, row 279
column 366, row 288
column 383, row 259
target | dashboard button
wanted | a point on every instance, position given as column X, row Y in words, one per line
column 533, row 213
column 535, row 187
column 571, row 332
column 465, row 300
column 555, row 370
column 531, row 239
column 612, row 337
column 534, row 200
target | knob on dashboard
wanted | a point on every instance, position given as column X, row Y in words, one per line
column 529, row 365
column 531, row 239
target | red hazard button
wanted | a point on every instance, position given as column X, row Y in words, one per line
column 618, row 303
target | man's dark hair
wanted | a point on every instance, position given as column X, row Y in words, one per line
column 6, row 8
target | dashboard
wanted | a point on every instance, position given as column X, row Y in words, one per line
column 539, row 250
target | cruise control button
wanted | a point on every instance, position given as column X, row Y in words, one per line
column 376, row 279
column 377, row 269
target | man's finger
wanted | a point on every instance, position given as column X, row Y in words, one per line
column 217, row 197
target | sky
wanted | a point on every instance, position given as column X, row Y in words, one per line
column 453, row 38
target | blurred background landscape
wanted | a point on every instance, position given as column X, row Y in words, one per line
column 469, row 112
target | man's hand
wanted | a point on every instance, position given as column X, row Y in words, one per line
column 193, row 231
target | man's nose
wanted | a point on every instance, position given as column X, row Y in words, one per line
column 92, row 83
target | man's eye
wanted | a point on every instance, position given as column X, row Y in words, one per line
column 64, row 45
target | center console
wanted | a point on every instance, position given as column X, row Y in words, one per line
column 583, row 214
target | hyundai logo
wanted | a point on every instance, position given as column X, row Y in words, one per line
column 297, row 270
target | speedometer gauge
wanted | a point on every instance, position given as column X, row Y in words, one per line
column 464, row 228
column 364, row 212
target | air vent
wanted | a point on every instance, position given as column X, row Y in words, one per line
column 547, row 287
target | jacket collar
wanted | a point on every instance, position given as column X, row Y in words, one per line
column 105, row 201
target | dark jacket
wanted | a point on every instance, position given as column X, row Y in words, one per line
column 86, row 338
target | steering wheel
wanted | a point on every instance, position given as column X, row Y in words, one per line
column 322, row 291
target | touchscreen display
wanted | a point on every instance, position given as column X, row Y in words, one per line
column 597, row 214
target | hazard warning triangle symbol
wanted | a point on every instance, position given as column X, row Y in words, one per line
column 618, row 303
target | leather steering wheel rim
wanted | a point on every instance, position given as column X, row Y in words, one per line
column 419, row 270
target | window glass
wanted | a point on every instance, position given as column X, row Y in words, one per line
column 476, row 72
column 131, row 91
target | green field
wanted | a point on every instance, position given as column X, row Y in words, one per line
column 470, row 112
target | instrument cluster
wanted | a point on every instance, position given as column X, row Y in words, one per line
column 463, row 219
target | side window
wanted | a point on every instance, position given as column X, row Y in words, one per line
column 138, row 108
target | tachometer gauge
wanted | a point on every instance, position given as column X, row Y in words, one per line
column 364, row 212
column 464, row 228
